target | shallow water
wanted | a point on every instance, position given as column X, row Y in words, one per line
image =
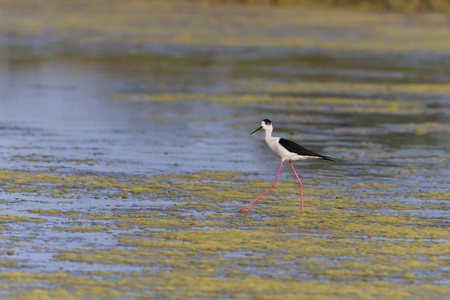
column 134, row 159
column 60, row 113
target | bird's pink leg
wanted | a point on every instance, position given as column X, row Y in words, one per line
column 273, row 185
column 300, row 184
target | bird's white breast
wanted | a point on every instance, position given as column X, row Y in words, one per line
column 274, row 146
column 277, row 149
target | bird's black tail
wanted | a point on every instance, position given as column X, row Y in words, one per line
column 327, row 158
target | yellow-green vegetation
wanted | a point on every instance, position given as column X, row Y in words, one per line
column 401, row 5
column 297, row 95
column 13, row 218
column 342, row 105
column 136, row 22
column 189, row 241
column 425, row 128
column 73, row 234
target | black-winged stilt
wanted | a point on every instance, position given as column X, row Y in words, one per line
column 286, row 150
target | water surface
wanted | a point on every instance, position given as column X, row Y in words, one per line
column 133, row 158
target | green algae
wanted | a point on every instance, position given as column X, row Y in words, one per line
column 13, row 218
column 341, row 105
column 409, row 6
column 178, row 235
column 433, row 195
column 215, row 286
column 172, row 23
column 81, row 228
column 199, row 246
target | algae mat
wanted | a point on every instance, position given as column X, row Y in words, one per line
column 126, row 150
column 177, row 236
column 141, row 24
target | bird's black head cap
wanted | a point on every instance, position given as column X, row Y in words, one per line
column 267, row 121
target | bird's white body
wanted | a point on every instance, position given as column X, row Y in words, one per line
column 277, row 149
column 280, row 151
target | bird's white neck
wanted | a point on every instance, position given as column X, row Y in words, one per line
column 268, row 133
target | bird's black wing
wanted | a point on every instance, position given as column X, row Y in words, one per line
column 296, row 148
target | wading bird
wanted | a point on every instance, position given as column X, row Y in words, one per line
column 286, row 150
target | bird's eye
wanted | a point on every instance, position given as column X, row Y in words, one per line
column 267, row 123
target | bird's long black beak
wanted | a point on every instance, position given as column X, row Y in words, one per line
column 256, row 130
